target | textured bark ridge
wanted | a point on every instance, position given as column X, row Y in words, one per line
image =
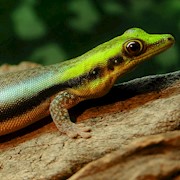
column 135, row 135
column 151, row 157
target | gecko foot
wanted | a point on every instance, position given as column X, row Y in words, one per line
column 79, row 130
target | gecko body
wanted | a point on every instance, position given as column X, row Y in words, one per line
column 29, row 95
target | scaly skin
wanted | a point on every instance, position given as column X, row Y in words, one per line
column 30, row 95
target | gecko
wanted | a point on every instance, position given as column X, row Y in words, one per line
column 29, row 95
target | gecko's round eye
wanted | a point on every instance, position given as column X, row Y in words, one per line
column 133, row 47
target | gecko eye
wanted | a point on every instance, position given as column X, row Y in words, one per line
column 133, row 47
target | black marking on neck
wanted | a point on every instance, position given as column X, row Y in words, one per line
column 114, row 61
column 85, row 78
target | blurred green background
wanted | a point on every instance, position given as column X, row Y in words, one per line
column 48, row 32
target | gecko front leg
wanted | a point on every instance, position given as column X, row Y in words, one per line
column 59, row 113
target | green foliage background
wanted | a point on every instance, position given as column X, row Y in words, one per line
column 48, row 32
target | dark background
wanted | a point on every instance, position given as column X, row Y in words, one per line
column 48, row 32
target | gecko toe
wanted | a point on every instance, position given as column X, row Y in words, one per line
column 84, row 128
column 79, row 130
column 72, row 135
column 83, row 131
column 85, row 135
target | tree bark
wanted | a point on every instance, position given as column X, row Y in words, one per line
column 147, row 108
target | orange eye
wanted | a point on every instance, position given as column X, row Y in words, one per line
column 133, row 47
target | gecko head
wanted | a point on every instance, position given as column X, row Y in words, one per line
column 139, row 45
column 103, row 65
column 134, row 47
